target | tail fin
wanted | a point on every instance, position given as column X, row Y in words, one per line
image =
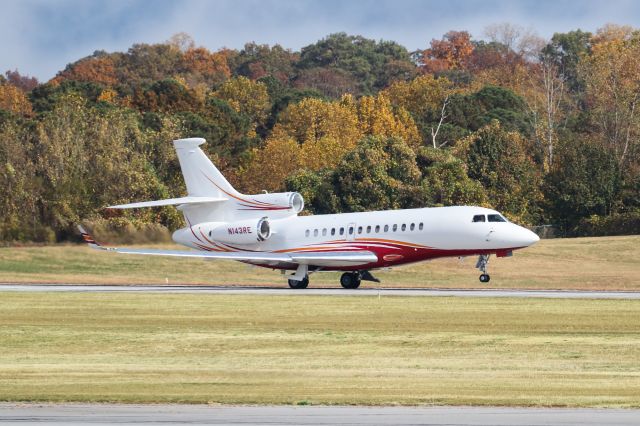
column 202, row 178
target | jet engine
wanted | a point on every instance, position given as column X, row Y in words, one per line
column 278, row 201
column 247, row 231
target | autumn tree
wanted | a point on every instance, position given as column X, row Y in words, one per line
column 18, row 199
column 25, row 83
column 98, row 69
column 313, row 119
column 14, row 100
column 268, row 167
column 200, row 66
column 449, row 53
column 613, row 91
column 247, row 97
column 377, row 117
column 427, row 99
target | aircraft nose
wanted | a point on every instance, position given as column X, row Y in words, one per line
column 527, row 237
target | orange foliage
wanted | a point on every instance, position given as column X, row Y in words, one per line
column 14, row 100
column 109, row 96
column 449, row 53
column 209, row 65
column 99, row 70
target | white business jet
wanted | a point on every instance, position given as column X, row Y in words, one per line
column 265, row 230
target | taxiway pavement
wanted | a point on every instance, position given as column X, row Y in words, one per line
column 99, row 414
column 283, row 291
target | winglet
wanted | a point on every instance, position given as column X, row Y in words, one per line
column 88, row 238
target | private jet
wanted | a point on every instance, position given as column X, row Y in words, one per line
column 267, row 230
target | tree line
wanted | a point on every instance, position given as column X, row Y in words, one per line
column 546, row 131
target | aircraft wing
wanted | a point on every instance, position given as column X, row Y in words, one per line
column 347, row 258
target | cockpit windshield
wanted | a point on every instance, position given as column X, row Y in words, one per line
column 496, row 218
column 489, row 218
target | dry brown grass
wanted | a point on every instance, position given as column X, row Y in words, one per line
column 318, row 350
column 607, row 263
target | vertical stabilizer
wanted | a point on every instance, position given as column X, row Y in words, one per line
column 202, row 178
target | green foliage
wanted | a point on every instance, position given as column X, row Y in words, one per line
column 566, row 50
column 371, row 65
column 44, row 98
column 166, row 96
column 445, row 181
column 627, row 223
column 585, row 182
column 259, row 61
column 478, row 109
column 498, row 159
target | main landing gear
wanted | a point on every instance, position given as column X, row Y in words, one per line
column 350, row 280
column 353, row 279
column 303, row 283
column 483, row 261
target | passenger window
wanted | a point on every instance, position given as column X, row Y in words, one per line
column 341, row 231
column 413, row 226
column 420, row 226
column 478, row 218
column 315, row 232
column 359, row 229
column 368, row 229
column 386, row 228
column 496, row 218
column 306, row 233
column 351, row 230
column 333, row 231
column 324, row 232
column 404, row 226
column 395, row 227
column 377, row 228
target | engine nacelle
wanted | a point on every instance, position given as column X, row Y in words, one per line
column 278, row 201
column 247, row 231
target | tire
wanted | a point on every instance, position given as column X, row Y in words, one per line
column 350, row 280
column 295, row 284
column 485, row 278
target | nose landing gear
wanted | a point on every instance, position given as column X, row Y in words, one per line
column 482, row 263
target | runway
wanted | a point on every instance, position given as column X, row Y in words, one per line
column 98, row 414
column 285, row 291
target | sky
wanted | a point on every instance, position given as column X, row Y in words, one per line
column 40, row 38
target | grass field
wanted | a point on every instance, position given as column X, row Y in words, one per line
column 578, row 263
column 318, row 350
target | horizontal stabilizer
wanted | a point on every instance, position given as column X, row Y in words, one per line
column 170, row 202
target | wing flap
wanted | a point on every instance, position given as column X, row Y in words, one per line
column 342, row 258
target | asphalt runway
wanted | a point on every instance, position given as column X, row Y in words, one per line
column 102, row 414
column 366, row 291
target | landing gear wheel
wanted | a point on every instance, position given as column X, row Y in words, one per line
column 485, row 278
column 299, row 284
column 350, row 280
